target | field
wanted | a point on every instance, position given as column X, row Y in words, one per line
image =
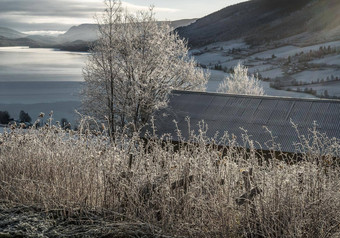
column 217, row 76
column 330, row 60
column 309, row 76
column 281, row 64
column 332, row 88
column 285, row 51
column 85, row 186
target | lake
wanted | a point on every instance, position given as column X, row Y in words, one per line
column 40, row 80
column 32, row 64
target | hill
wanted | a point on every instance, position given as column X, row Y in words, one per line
column 10, row 33
column 260, row 21
column 89, row 32
column 181, row 23
column 84, row 32
column 19, row 42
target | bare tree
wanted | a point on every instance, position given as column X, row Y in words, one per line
column 134, row 66
column 240, row 82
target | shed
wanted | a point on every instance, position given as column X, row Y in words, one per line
column 230, row 112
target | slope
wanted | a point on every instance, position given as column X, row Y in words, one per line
column 10, row 33
column 260, row 21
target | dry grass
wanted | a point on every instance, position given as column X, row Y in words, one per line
column 190, row 192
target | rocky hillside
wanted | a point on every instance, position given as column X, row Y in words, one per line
column 260, row 21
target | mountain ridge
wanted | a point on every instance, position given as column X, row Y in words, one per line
column 260, row 21
column 10, row 33
column 89, row 32
column 77, row 38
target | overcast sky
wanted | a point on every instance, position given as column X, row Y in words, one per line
column 53, row 16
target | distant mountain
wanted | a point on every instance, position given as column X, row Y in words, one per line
column 78, row 45
column 260, row 21
column 11, row 34
column 84, row 32
column 89, row 32
column 46, row 40
column 19, row 42
column 180, row 23
column 77, row 38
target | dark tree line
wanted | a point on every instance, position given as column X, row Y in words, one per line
column 5, row 117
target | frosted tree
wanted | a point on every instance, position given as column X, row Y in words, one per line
column 240, row 82
column 133, row 67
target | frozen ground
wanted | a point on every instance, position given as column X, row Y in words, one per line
column 263, row 63
column 272, row 73
column 266, row 70
column 259, row 68
column 329, row 60
column 333, row 88
column 282, row 93
column 227, row 45
column 313, row 75
column 212, row 58
column 232, row 63
column 218, row 76
column 285, row 51
column 282, row 52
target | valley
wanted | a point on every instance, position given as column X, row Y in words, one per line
column 308, row 71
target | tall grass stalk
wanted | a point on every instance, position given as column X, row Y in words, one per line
column 187, row 189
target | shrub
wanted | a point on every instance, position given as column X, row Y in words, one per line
column 24, row 117
column 191, row 189
column 4, row 117
column 240, row 83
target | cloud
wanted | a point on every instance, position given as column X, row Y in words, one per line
column 68, row 8
column 133, row 7
column 57, row 15
column 47, row 33
column 60, row 15
column 42, row 14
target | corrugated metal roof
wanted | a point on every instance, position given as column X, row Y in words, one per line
column 229, row 112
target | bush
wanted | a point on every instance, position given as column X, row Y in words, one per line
column 189, row 189
column 24, row 117
column 65, row 124
column 4, row 117
column 240, row 82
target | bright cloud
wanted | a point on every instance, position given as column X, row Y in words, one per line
column 133, row 7
column 60, row 15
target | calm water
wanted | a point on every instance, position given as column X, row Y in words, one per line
column 26, row 64
column 40, row 80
